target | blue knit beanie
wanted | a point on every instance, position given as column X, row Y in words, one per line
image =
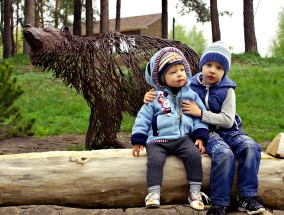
column 219, row 52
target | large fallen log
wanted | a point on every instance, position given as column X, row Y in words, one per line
column 109, row 179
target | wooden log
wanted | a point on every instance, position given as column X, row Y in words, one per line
column 109, row 179
column 276, row 147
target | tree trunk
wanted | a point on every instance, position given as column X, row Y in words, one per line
column 56, row 13
column 249, row 32
column 165, row 19
column 2, row 12
column 117, row 19
column 2, row 20
column 7, row 43
column 13, row 48
column 89, row 18
column 111, row 178
column 104, row 22
column 216, row 35
column 17, row 26
column 42, row 13
column 77, row 28
column 37, row 16
column 29, row 20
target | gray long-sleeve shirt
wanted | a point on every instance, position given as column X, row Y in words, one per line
column 226, row 117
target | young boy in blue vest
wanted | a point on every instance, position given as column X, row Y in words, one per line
column 226, row 138
column 164, row 130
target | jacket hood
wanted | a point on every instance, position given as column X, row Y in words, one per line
column 151, row 71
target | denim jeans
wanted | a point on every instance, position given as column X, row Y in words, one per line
column 222, row 170
column 223, row 153
column 248, row 154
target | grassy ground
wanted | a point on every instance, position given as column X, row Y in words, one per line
column 59, row 110
column 260, row 96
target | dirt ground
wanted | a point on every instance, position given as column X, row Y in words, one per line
column 63, row 142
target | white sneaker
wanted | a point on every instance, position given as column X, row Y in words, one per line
column 195, row 200
column 152, row 200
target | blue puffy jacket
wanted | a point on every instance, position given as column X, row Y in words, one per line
column 163, row 117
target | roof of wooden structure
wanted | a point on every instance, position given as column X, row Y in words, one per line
column 133, row 23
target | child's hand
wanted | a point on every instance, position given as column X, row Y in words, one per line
column 149, row 96
column 189, row 107
column 136, row 150
column 200, row 146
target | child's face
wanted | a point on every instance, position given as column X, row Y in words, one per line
column 175, row 76
column 212, row 72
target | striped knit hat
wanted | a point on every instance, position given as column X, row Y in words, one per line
column 219, row 52
column 166, row 61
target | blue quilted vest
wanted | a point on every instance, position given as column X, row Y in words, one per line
column 215, row 98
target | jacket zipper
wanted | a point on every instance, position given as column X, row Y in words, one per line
column 180, row 110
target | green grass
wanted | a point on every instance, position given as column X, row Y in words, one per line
column 59, row 110
column 56, row 108
column 75, row 148
column 260, row 97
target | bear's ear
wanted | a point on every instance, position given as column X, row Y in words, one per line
column 65, row 29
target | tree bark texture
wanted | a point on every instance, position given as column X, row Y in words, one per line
column 216, row 35
column 249, row 32
column 117, row 19
column 77, row 27
column 29, row 20
column 111, row 178
column 13, row 48
column 89, row 18
column 56, row 13
column 104, row 22
column 165, row 19
column 7, row 43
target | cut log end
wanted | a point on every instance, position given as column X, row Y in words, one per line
column 276, row 147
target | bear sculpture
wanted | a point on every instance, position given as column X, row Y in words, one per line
column 107, row 70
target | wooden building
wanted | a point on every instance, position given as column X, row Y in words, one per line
column 150, row 25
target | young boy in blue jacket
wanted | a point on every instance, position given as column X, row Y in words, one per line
column 163, row 129
column 226, row 138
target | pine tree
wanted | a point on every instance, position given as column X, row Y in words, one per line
column 10, row 115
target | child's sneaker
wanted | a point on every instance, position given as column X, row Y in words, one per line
column 216, row 210
column 152, row 200
column 195, row 200
column 252, row 205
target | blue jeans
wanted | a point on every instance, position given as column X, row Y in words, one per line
column 222, row 170
column 248, row 154
column 223, row 153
